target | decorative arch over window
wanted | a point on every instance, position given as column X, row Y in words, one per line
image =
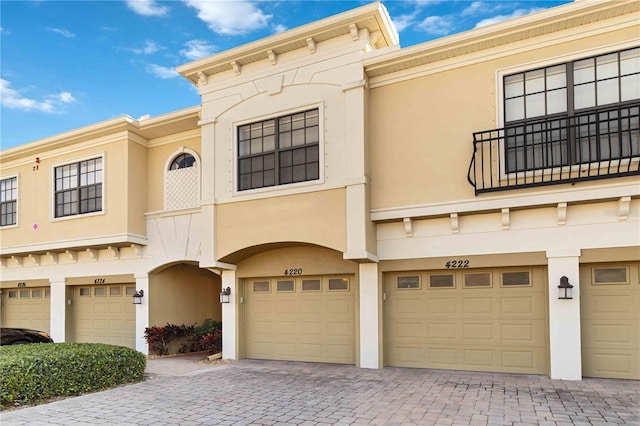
column 182, row 180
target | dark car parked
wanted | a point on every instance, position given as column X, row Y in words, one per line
column 19, row 336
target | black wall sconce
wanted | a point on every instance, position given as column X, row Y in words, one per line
column 137, row 297
column 565, row 289
column 224, row 295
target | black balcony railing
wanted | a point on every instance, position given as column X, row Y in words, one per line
column 598, row 144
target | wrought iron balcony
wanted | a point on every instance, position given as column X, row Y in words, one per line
column 599, row 144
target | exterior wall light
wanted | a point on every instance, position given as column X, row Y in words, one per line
column 224, row 295
column 137, row 297
column 565, row 289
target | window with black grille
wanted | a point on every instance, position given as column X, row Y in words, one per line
column 8, row 201
column 78, row 188
column 279, row 151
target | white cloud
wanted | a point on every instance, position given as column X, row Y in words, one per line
column 149, row 48
column 404, row 21
column 436, row 25
column 475, row 7
column 197, row 49
column 13, row 99
column 162, row 72
column 230, row 17
column 62, row 32
column 147, row 7
column 500, row 18
column 279, row 28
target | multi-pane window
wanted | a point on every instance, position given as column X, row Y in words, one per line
column 78, row 188
column 578, row 112
column 279, row 151
column 8, row 201
column 182, row 161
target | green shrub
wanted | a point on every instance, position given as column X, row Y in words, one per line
column 173, row 338
column 34, row 372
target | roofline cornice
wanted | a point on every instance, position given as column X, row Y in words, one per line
column 96, row 130
column 211, row 64
column 567, row 16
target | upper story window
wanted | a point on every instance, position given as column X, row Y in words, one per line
column 182, row 180
column 279, row 151
column 579, row 112
column 78, row 188
column 563, row 123
column 8, row 201
column 182, row 161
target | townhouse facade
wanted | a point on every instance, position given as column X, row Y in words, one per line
column 469, row 203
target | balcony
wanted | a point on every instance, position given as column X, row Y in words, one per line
column 601, row 143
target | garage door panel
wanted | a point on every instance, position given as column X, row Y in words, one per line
column 523, row 360
column 104, row 315
column 521, row 306
column 489, row 328
column 441, row 331
column 610, row 332
column 301, row 325
column 441, row 305
column 610, row 320
column 475, row 331
column 26, row 308
column 478, row 305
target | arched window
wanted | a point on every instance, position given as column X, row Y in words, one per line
column 182, row 161
column 182, row 180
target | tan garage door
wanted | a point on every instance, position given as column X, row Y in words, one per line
column 467, row 320
column 610, row 319
column 105, row 314
column 301, row 319
column 26, row 308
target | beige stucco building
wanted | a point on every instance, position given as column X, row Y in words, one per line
column 364, row 204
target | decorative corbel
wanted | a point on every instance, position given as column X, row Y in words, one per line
column 35, row 259
column 355, row 34
column 73, row 255
column 273, row 57
column 236, row 67
column 17, row 260
column 113, row 252
column 408, row 226
column 311, row 44
column 93, row 254
column 202, row 79
column 455, row 225
column 3, row 262
column 506, row 218
column 136, row 249
column 562, row 213
column 52, row 256
column 623, row 208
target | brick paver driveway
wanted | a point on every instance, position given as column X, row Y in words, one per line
column 270, row 392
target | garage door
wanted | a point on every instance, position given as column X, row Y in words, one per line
column 26, row 308
column 105, row 314
column 467, row 320
column 301, row 319
column 610, row 319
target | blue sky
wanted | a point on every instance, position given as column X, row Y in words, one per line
column 68, row 64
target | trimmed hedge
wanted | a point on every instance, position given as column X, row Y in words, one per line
column 31, row 373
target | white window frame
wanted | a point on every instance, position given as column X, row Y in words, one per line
column 52, row 187
column 17, row 177
column 548, row 62
column 288, row 187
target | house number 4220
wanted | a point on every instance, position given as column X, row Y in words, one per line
column 293, row 271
